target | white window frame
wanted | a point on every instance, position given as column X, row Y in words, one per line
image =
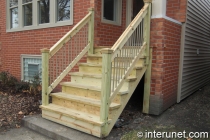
column 118, row 19
column 35, row 13
column 23, row 56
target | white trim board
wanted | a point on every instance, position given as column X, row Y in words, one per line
column 159, row 11
column 169, row 19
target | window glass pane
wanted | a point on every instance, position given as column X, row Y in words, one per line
column 27, row 14
column 14, row 17
column 33, row 70
column 13, row 3
column 109, row 9
column 31, row 67
column 44, row 11
column 63, row 10
column 25, row 1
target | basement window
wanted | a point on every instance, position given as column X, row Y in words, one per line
column 111, row 11
column 31, row 65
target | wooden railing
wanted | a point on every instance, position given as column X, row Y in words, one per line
column 119, row 61
column 60, row 59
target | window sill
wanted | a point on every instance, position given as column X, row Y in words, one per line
column 41, row 26
column 111, row 22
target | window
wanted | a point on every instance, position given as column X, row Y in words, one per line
column 27, row 12
column 13, row 10
column 44, row 12
column 31, row 65
column 36, row 14
column 63, row 10
column 111, row 11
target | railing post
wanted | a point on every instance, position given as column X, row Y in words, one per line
column 105, row 88
column 147, row 80
column 91, row 31
column 45, row 75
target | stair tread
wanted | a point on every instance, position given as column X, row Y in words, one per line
column 99, row 76
column 85, row 100
column 100, row 65
column 74, row 113
column 88, row 87
column 100, row 55
column 102, row 47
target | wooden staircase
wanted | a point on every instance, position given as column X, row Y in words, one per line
column 99, row 91
column 78, row 105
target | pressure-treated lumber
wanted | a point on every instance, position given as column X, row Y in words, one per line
column 147, row 81
column 91, row 31
column 45, row 73
column 105, row 89
column 68, row 69
column 128, row 71
column 84, row 122
column 70, row 34
column 125, row 100
column 87, row 102
column 84, row 100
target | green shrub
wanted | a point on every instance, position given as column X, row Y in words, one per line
column 9, row 81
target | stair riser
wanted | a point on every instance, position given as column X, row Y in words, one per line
column 79, row 106
column 98, row 60
column 87, row 93
column 98, row 70
column 83, row 126
column 93, row 81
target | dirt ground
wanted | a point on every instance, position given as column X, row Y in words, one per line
column 191, row 115
column 13, row 107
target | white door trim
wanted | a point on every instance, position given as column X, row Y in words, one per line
column 129, row 8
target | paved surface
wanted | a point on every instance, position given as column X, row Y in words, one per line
column 22, row 134
column 54, row 130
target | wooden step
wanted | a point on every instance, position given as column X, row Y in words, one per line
column 84, row 100
column 83, row 104
column 97, row 68
column 95, row 79
column 93, row 119
column 95, row 59
column 97, row 50
column 84, row 122
column 88, row 91
column 100, row 56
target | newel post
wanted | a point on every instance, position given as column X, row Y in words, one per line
column 91, row 31
column 147, row 80
column 105, row 88
column 45, row 75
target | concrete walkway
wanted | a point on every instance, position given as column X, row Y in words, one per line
column 22, row 134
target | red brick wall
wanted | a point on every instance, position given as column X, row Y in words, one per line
column 0, row 40
column 166, row 42
column 107, row 34
column 30, row 42
column 176, row 9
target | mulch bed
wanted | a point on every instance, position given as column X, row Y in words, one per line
column 14, row 106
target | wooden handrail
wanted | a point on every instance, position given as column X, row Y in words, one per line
column 70, row 34
column 129, row 31
column 53, row 75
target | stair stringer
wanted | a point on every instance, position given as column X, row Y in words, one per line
column 125, row 99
